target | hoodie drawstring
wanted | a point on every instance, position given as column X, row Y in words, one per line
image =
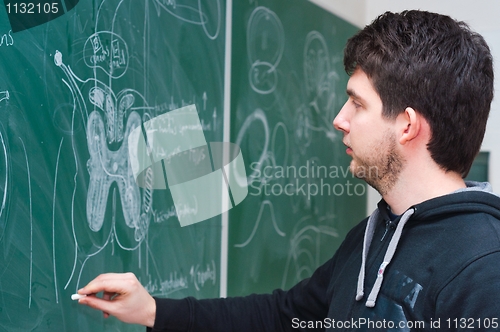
column 369, row 232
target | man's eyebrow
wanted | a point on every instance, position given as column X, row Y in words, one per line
column 351, row 93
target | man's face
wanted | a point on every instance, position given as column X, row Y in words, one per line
column 370, row 138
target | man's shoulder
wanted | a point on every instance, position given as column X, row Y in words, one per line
column 459, row 205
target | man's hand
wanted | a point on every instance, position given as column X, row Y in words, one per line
column 123, row 297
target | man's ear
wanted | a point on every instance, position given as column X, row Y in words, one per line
column 409, row 124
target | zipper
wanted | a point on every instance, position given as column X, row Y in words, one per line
column 388, row 225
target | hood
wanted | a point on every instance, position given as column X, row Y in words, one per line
column 477, row 197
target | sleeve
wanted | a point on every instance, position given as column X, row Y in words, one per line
column 471, row 299
column 276, row 312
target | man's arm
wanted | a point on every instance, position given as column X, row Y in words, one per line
column 471, row 299
column 125, row 298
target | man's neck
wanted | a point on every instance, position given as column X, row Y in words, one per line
column 414, row 187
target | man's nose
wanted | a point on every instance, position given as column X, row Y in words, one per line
column 341, row 122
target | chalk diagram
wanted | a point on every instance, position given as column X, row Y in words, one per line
column 265, row 47
column 320, row 82
column 173, row 151
column 16, row 165
column 108, row 115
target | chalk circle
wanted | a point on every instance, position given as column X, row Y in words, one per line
column 204, row 20
column 280, row 147
column 263, row 77
column 107, row 51
column 265, row 37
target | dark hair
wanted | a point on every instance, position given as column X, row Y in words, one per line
column 435, row 65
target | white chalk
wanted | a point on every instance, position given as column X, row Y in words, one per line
column 77, row 296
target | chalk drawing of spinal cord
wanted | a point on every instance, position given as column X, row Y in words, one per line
column 109, row 118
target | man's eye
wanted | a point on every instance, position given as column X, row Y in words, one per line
column 356, row 105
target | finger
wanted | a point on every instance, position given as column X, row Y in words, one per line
column 100, row 304
column 109, row 282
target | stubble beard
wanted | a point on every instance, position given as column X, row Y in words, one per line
column 382, row 168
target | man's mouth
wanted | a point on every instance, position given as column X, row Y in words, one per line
column 348, row 149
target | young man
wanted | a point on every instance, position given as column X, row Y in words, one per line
column 420, row 90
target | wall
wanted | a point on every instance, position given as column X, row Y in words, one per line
column 351, row 11
column 362, row 12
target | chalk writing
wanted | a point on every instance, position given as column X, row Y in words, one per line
column 6, row 39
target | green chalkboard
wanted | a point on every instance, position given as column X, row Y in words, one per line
column 288, row 83
column 72, row 87
column 77, row 77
